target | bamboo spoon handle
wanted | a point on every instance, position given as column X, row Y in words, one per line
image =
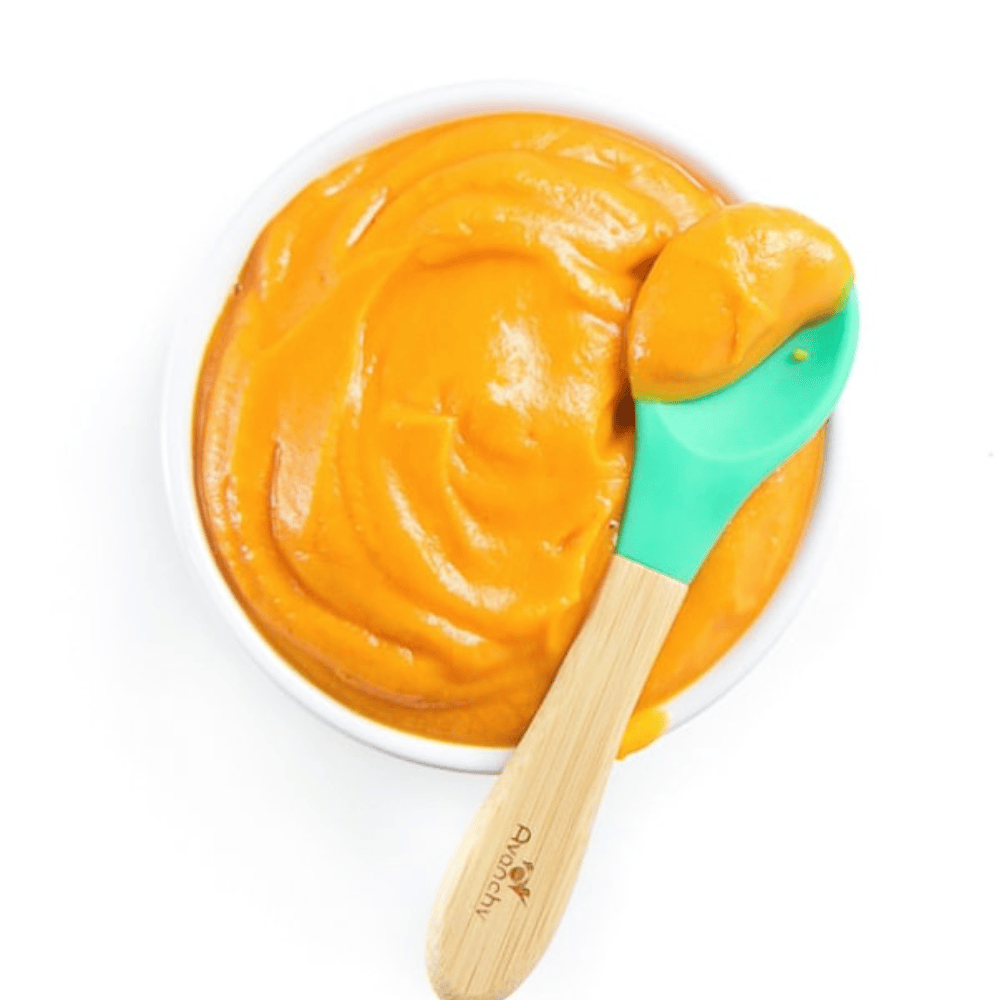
column 508, row 883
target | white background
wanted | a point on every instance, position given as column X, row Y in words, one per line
column 172, row 825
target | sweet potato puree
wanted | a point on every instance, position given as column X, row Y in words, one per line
column 725, row 293
column 414, row 428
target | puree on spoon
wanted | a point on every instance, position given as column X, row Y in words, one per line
column 414, row 430
column 727, row 292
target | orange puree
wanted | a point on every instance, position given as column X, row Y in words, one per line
column 414, row 430
column 725, row 293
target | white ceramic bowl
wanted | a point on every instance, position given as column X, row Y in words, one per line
column 203, row 301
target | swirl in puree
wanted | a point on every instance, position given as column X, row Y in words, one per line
column 414, row 428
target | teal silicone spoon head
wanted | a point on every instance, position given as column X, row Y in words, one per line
column 697, row 461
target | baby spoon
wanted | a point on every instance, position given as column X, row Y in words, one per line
column 695, row 463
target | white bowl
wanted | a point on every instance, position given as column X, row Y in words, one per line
column 202, row 303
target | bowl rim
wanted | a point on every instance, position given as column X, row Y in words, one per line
column 198, row 308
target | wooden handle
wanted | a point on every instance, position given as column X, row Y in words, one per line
column 507, row 886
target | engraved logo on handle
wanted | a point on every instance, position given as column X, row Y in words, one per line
column 515, row 876
column 519, row 876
